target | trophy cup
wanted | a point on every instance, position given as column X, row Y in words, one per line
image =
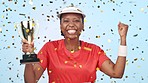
column 28, row 30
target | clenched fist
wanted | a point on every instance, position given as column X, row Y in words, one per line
column 26, row 47
column 122, row 29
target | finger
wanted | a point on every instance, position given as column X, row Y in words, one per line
column 24, row 41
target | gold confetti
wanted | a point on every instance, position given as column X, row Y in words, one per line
column 109, row 40
column 99, row 52
column 97, row 36
column 80, row 66
column 41, row 61
column 33, row 24
column 2, row 16
column 75, row 65
column 8, row 47
column 142, row 59
column 142, row 9
column 27, row 30
column 0, row 29
column 97, row 68
column 50, row 71
column 127, row 62
column 55, row 48
column 72, row 51
column 12, row 36
column 66, row 62
column 79, row 47
column 38, row 69
column 31, row 2
column 86, row 48
column 53, row 82
column 85, row 20
column 41, row 52
column 68, row 38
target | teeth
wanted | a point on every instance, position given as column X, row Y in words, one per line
column 71, row 31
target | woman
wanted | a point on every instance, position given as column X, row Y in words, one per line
column 71, row 60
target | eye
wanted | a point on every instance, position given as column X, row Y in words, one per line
column 65, row 21
column 77, row 20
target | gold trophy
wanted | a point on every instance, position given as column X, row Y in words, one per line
column 28, row 30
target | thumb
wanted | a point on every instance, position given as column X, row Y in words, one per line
column 24, row 41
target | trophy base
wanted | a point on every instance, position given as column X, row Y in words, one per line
column 29, row 59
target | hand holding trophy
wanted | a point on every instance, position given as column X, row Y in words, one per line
column 28, row 31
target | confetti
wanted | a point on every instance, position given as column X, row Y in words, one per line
column 142, row 9
column 109, row 40
column 31, row 2
column 50, row 71
column 0, row 30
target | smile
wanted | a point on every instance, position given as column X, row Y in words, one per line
column 71, row 31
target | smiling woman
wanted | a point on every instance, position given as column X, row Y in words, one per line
column 68, row 59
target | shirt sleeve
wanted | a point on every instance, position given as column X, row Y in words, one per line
column 43, row 56
column 102, row 57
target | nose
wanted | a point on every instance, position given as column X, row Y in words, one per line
column 71, row 24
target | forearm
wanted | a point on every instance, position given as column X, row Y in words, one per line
column 121, row 60
column 119, row 67
column 29, row 75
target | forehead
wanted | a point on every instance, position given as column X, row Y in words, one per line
column 71, row 15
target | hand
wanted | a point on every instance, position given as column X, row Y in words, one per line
column 26, row 47
column 122, row 29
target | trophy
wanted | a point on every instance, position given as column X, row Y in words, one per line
column 28, row 30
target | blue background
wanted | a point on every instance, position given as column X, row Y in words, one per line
column 102, row 18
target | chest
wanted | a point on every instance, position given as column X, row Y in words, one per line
column 82, row 61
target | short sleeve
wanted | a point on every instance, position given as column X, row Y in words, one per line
column 43, row 56
column 102, row 57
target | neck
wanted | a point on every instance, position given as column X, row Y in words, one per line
column 72, row 44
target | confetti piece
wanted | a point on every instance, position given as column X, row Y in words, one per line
column 0, row 30
column 55, row 49
column 135, row 59
column 75, row 65
column 109, row 40
column 142, row 9
column 3, row 16
column 89, row 49
column 34, row 8
column 50, row 71
column 142, row 59
column 41, row 61
column 27, row 30
column 66, row 62
column 80, row 66
column 31, row 2
column 72, row 51
column 39, row 69
column 85, row 20
column 97, row 36
column 97, row 68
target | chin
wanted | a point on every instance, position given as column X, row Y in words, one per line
column 72, row 37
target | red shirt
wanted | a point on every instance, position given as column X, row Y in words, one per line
column 66, row 67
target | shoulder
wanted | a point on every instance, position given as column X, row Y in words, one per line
column 90, row 45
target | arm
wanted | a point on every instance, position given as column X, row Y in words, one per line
column 117, row 70
column 32, row 72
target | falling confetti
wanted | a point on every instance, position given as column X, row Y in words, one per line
column 0, row 30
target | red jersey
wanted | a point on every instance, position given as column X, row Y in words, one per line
column 66, row 67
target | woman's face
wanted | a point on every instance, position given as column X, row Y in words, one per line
column 71, row 25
